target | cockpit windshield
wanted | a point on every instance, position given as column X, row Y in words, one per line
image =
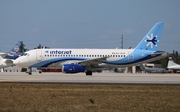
column 25, row 54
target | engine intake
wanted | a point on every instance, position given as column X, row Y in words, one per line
column 72, row 68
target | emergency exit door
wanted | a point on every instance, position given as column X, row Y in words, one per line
column 131, row 56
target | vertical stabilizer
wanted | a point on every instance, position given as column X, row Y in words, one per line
column 152, row 38
column 17, row 48
column 15, row 51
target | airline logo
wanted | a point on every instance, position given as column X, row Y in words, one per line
column 152, row 40
column 16, row 48
column 58, row 52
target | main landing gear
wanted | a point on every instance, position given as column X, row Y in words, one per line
column 88, row 72
column 40, row 71
column 29, row 71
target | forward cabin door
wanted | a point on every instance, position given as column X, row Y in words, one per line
column 38, row 55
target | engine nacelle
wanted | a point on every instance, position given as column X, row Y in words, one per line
column 72, row 68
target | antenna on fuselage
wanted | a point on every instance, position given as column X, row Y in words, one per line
column 122, row 42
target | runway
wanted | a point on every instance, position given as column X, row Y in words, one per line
column 107, row 78
column 111, row 78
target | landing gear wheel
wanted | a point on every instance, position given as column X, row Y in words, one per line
column 40, row 71
column 88, row 73
column 30, row 73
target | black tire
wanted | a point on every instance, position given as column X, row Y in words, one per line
column 40, row 71
column 88, row 73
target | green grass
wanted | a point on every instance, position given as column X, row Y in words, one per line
column 26, row 97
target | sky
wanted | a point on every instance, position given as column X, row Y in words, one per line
column 87, row 23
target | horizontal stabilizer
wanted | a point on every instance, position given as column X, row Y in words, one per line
column 2, row 55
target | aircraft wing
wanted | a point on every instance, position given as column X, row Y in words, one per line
column 2, row 55
column 91, row 62
column 8, row 61
column 94, row 61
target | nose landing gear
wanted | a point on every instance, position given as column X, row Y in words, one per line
column 29, row 71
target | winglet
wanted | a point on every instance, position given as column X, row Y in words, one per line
column 152, row 38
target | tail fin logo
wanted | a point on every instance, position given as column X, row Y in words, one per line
column 152, row 40
column 16, row 48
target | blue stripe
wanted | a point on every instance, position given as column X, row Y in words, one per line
column 123, row 61
column 46, row 63
column 136, row 61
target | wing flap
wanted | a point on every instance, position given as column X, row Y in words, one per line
column 94, row 61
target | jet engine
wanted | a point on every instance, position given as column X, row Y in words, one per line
column 72, row 68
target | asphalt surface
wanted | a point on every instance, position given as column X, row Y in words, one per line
column 107, row 78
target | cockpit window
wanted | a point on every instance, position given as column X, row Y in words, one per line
column 25, row 54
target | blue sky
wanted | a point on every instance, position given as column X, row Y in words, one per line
column 87, row 23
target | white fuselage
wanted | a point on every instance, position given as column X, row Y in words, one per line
column 115, row 57
column 86, row 60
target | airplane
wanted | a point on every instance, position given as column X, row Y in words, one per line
column 6, row 58
column 153, row 70
column 172, row 65
column 90, row 60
